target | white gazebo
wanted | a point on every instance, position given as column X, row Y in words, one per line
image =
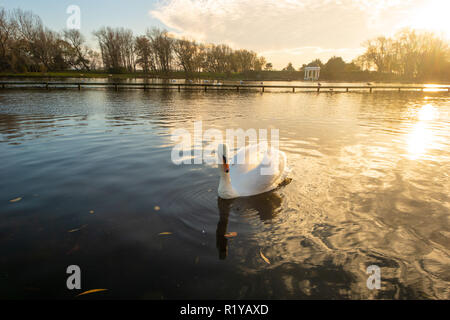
column 312, row 73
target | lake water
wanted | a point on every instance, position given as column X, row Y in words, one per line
column 87, row 179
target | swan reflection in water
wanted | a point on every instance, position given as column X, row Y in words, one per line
column 266, row 205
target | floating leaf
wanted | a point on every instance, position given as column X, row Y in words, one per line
column 231, row 235
column 78, row 229
column 264, row 257
column 15, row 200
column 165, row 233
column 91, row 291
column 157, row 208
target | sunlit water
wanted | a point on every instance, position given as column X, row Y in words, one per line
column 96, row 186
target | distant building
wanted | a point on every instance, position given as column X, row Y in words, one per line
column 312, row 73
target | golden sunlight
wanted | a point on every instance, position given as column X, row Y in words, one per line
column 419, row 140
column 427, row 113
column 433, row 16
column 421, row 137
column 434, row 88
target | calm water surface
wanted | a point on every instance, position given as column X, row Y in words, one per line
column 370, row 186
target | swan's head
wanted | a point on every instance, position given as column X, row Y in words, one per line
column 224, row 163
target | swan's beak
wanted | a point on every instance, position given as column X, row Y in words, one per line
column 226, row 166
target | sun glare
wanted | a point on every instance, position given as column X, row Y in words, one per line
column 433, row 16
column 427, row 113
column 421, row 137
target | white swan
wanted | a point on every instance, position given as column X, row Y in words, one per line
column 253, row 170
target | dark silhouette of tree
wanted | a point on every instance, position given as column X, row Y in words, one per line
column 333, row 68
column 289, row 67
column 79, row 52
column 314, row 63
column 268, row 67
column 162, row 46
column 144, row 54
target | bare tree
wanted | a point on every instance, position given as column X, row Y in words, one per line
column 144, row 56
column 77, row 41
column 218, row 58
column 117, row 48
column 126, row 44
column 189, row 55
column 162, row 45
column 7, row 37
column 95, row 59
column 244, row 60
column 108, row 47
column 408, row 54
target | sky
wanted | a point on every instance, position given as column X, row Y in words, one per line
column 283, row 31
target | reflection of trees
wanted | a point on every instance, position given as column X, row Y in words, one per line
column 10, row 126
column 13, row 126
column 162, row 108
column 8, row 123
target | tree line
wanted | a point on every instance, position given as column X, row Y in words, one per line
column 26, row 45
column 409, row 56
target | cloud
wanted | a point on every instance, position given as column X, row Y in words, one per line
column 281, row 27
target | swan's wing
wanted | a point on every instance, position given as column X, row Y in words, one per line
column 272, row 169
column 248, row 158
column 263, row 177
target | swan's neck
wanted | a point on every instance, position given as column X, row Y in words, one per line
column 226, row 190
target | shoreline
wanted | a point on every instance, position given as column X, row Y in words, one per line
column 198, row 76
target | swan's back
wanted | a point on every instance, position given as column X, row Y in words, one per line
column 261, row 171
